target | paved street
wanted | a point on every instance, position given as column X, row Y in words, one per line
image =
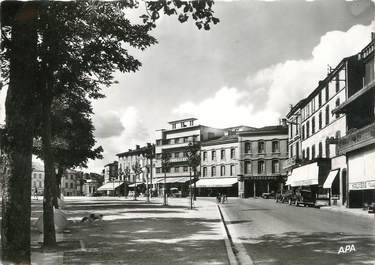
column 134, row 232
column 273, row 233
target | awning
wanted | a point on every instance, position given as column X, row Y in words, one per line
column 110, row 186
column 215, row 182
column 304, row 176
column 331, row 177
column 133, row 185
column 173, row 180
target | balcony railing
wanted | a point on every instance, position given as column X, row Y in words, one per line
column 357, row 139
column 178, row 159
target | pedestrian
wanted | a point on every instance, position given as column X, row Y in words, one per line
column 36, row 193
column 218, row 198
column 224, row 198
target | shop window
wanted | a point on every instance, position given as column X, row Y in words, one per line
column 275, row 166
column 222, row 171
column 247, row 167
column 261, row 167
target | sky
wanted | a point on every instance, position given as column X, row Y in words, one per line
column 247, row 70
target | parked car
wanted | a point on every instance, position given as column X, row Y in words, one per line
column 175, row 193
column 268, row 195
column 305, row 198
column 287, row 197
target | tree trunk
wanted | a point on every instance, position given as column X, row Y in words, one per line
column 49, row 239
column 16, row 198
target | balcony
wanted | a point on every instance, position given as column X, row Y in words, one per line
column 290, row 162
column 178, row 159
column 357, row 139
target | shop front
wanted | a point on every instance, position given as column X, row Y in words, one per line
column 174, row 186
column 214, row 186
column 361, row 174
column 256, row 186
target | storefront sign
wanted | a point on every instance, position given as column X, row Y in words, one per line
column 363, row 185
column 263, row 178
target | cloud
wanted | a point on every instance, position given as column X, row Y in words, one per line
column 227, row 107
column 108, row 125
column 125, row 129
column 271, row 90
column 287, row 82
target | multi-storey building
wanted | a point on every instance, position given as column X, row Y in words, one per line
column 319, row 131
column 220, row 164
column 174, row 142
column 359, row 143
column 127, row 162
column 69, row 185
column 262, row 154
column 37, row 178
column 111, row 182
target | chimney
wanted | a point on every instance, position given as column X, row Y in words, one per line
column 283, row 122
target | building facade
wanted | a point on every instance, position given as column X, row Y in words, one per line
column 319, row 128
column 262, row 154
column 220, row 164
column 110, row 171
column 174, row 142
column 359, row 144
column 69, row 183
column 37, row 178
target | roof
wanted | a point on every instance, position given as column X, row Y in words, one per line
column 239, row 127
column 296, row 107
column 187, row 119
column 273, row 129
column 130, row 152
column 221, row 140
column 110, row 164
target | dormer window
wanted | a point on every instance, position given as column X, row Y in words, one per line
column 191, row 123
column 183, row 124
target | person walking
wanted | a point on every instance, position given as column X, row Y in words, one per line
column 36, row 193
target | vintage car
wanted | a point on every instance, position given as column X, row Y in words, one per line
column 305, row 198
column 287, row 196
column 268, row 195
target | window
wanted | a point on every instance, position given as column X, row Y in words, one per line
column 320, row 152
column 158, row 170
column 313, row 125
column 40, row 184
column 71, row 176
column 313, row 151
column 307, row 129
column 303, row 132
column 337, row 81
column 177, row 155
column 303, row 154
column 222, row 154
column 185, row 169
column 66, row 185
column 232, row 170
column 185, row 139
column 174, row 126
column 213, row 171
column 176, row 169
column 261, row 167
column 34, row 183
column 327, row 149
column 327, row 115
column 327, row 93
column 191, row 123
column 320, row 98
column 204, row 156
column 260, row 147
column 247, row 167
column 338, row 135
column 40, row 176
column 275, row 166
column 183, row 124
column 275, row 147
column 222, row 171
column 213, row 155
column 320, row 120
column 232, row 153
column 204, row 172
column 71, row 185
column 337, row 115
column 247, row 147
column 369, row 71
column 308, row 153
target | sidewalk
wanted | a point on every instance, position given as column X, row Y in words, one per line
column 133, row 232
column 352, row 211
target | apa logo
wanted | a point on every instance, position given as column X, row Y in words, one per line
column 346, row 249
